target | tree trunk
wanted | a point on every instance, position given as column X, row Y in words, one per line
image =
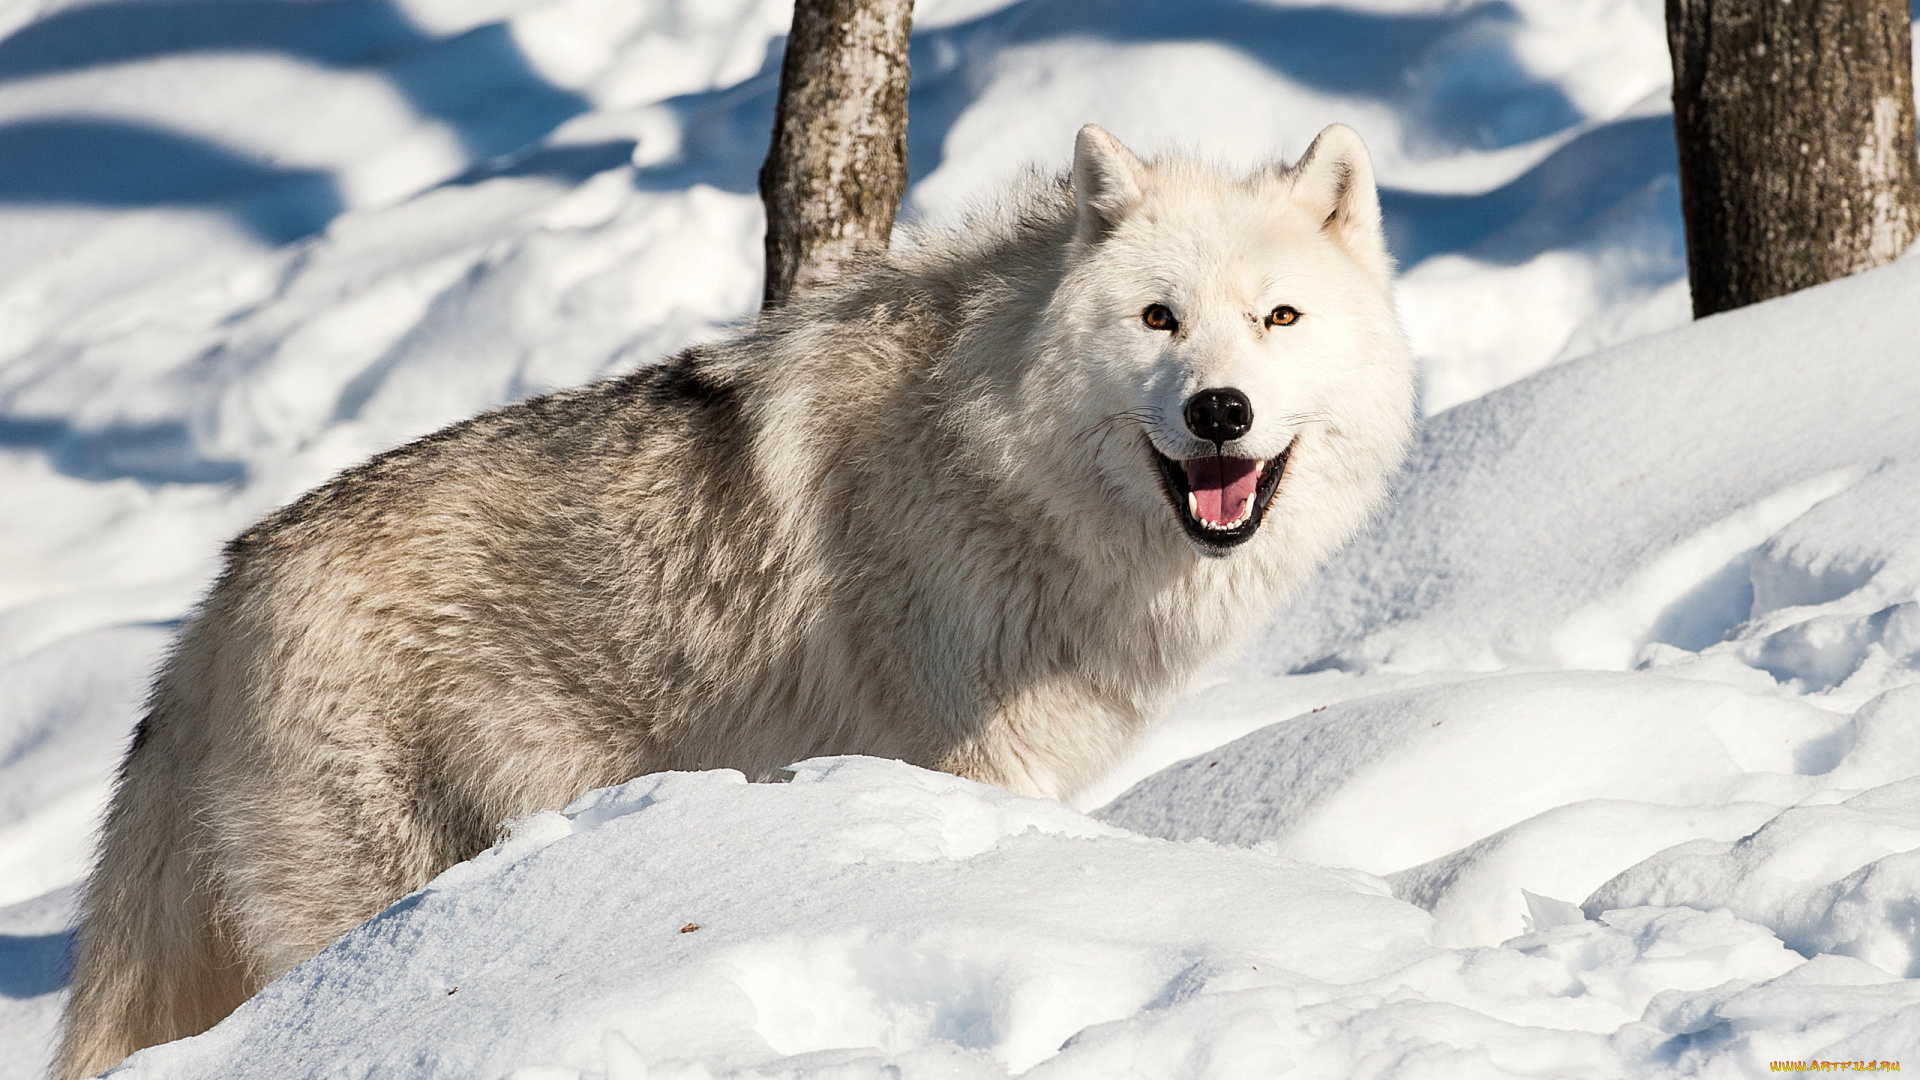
column 838, row 165
column 1796, row 129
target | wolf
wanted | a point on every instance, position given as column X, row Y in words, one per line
column 985, row 503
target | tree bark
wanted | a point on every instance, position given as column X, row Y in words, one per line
column 836, row 171
column 1796, row 129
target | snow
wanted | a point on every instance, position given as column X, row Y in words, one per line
column 871, row 919
column 1727, row 480
column 1595, row 757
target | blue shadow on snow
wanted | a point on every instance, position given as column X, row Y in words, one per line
column 1546, row 207
column 478, row 83
column 163, row 453
column 574, row 162
column 34, row 964
column 1454, row 71
column 89, row 161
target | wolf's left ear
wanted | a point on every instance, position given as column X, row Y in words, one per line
column 1333, row 181
column 1106, row 183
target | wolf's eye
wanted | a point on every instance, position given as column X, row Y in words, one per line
column 1159, row 317
column 1282, row 316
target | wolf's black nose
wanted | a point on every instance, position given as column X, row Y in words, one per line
column 1219, row 416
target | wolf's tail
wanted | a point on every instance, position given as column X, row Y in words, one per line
column 151, row 964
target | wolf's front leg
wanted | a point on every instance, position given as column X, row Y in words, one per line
column 1048, row 739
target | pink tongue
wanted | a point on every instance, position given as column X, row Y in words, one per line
column 1222, row 486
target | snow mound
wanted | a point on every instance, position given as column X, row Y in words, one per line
column 1735, row 494
column 1365, row 783
column 1841, row 879
column 1469, row 794
column 871, row 919
column 865, row 906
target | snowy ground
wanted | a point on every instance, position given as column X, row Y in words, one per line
column 1593, row 759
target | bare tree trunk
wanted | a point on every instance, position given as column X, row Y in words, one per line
column 1796, row 129
column 838, row 165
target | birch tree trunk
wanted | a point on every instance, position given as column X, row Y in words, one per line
column 1796, row 129
column 838, row 165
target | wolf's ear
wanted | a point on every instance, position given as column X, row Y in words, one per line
column 1106, row 183
column 1333, row 181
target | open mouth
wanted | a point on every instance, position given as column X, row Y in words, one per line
column 1220, row 500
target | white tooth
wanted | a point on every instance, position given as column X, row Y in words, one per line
column 1246, row 508
column 1193, row 507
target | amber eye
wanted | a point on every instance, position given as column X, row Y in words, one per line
column 1159, row 317
column 1282, row 316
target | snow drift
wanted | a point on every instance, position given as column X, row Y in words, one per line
column 874, row 920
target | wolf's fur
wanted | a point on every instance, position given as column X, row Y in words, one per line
column 914, row 515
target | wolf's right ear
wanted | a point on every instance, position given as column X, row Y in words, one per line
column 1106, row 183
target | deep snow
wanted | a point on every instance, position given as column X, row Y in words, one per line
column 870, row 919
column 1566, row 769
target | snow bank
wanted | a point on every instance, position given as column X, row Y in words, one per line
column 1680, row 501
column 1468, row 796
column 872, row 919
column 1841, row 879
column 866, row 906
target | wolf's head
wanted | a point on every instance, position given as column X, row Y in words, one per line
column 1232, row 341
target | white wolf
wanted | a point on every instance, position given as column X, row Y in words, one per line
column 985, row 504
